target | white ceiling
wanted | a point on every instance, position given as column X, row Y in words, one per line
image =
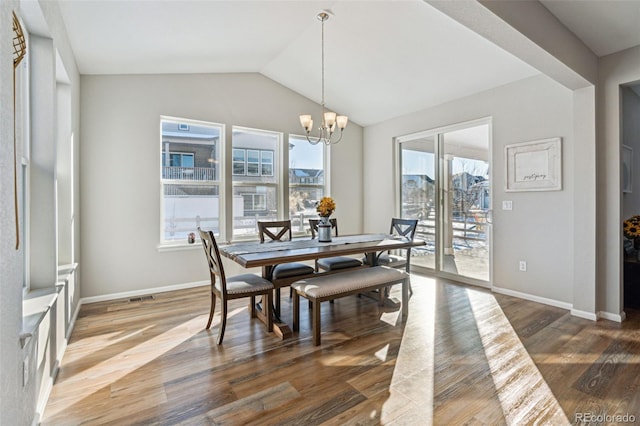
column 383, row 58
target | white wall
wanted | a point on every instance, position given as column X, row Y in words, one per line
column 613, row 71
column 18, row 402
column 539, row 229
column 120, row 167
column 11, row 396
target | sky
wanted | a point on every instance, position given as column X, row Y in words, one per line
column 304, row 155
column 421, row 163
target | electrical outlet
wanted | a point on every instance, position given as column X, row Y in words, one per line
column 507, row 205
column 523, row 266
column 25, row 371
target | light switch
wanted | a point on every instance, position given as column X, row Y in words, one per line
column 507, row 205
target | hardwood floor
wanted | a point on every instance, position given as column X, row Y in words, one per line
column 464, row 356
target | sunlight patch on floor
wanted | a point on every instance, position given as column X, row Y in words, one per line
column 109, row 371
column 413, row 375
column 521, row 389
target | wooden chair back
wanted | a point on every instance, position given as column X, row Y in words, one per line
column 276, row 230
column 313, row 225
column 215, row 262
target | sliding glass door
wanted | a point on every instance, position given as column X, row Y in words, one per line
column 444, row 182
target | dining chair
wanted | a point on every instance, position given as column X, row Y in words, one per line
column 399, row 228
column 234, row 287
column 285, row 273
column 332, row 263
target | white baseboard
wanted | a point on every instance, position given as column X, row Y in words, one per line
column 127, row 294
column 612, row 317
column 532, row 298
column 584, row 314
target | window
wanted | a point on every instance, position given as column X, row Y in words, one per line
column 190, row 176
column 177, row 159
column 252, row 162
column 306, row 180
column 266, row 163
column 239, row 162
column 255, row 179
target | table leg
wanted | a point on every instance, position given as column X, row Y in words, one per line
column 280, row 328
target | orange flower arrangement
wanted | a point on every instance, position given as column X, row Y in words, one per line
column 326, row 206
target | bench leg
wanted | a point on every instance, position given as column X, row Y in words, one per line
column 316, row 323
column 252, row 306
column 296, row 311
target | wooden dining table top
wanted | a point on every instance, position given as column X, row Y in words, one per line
column 253, row 254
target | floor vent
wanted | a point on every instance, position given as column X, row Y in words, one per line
column 141, row 298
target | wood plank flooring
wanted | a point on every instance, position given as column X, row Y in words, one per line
column 464, row 356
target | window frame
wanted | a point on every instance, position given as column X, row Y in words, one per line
column 326, row 186
column 165, row 244
column 277, row 184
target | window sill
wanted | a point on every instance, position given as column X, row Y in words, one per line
column 179, row 247
column 35, row 306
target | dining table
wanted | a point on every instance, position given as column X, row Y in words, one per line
column 269, row 254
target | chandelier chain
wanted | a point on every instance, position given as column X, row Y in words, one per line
column 322, row 67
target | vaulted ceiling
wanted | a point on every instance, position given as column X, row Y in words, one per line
column 383, row 58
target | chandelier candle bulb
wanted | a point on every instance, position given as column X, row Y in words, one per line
column 329, row 118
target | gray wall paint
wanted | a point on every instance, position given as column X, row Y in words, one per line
column 614, row 70
column 120, row 194
column 540, row 227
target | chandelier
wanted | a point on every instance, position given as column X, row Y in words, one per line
column 330, row 120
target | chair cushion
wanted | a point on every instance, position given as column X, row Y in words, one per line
column 246, row 283
column 389, row 259
column 287, row 270
column 338, row 262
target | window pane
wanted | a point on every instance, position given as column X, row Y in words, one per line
column 267, row 157
column 238, row 168
column 253, row 169
column 253, row 156
column 190, row 153
column 306, row 181
column 188, row 206
column 250, row 204
column 238, row 155
column 257, row 143
column 255, row 195
column 267, row 170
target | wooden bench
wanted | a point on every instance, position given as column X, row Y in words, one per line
column 321, row 288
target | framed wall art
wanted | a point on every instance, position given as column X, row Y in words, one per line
column 534, row 166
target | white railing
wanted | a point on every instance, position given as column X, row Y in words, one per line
column 188, row 173
column 178, row 228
